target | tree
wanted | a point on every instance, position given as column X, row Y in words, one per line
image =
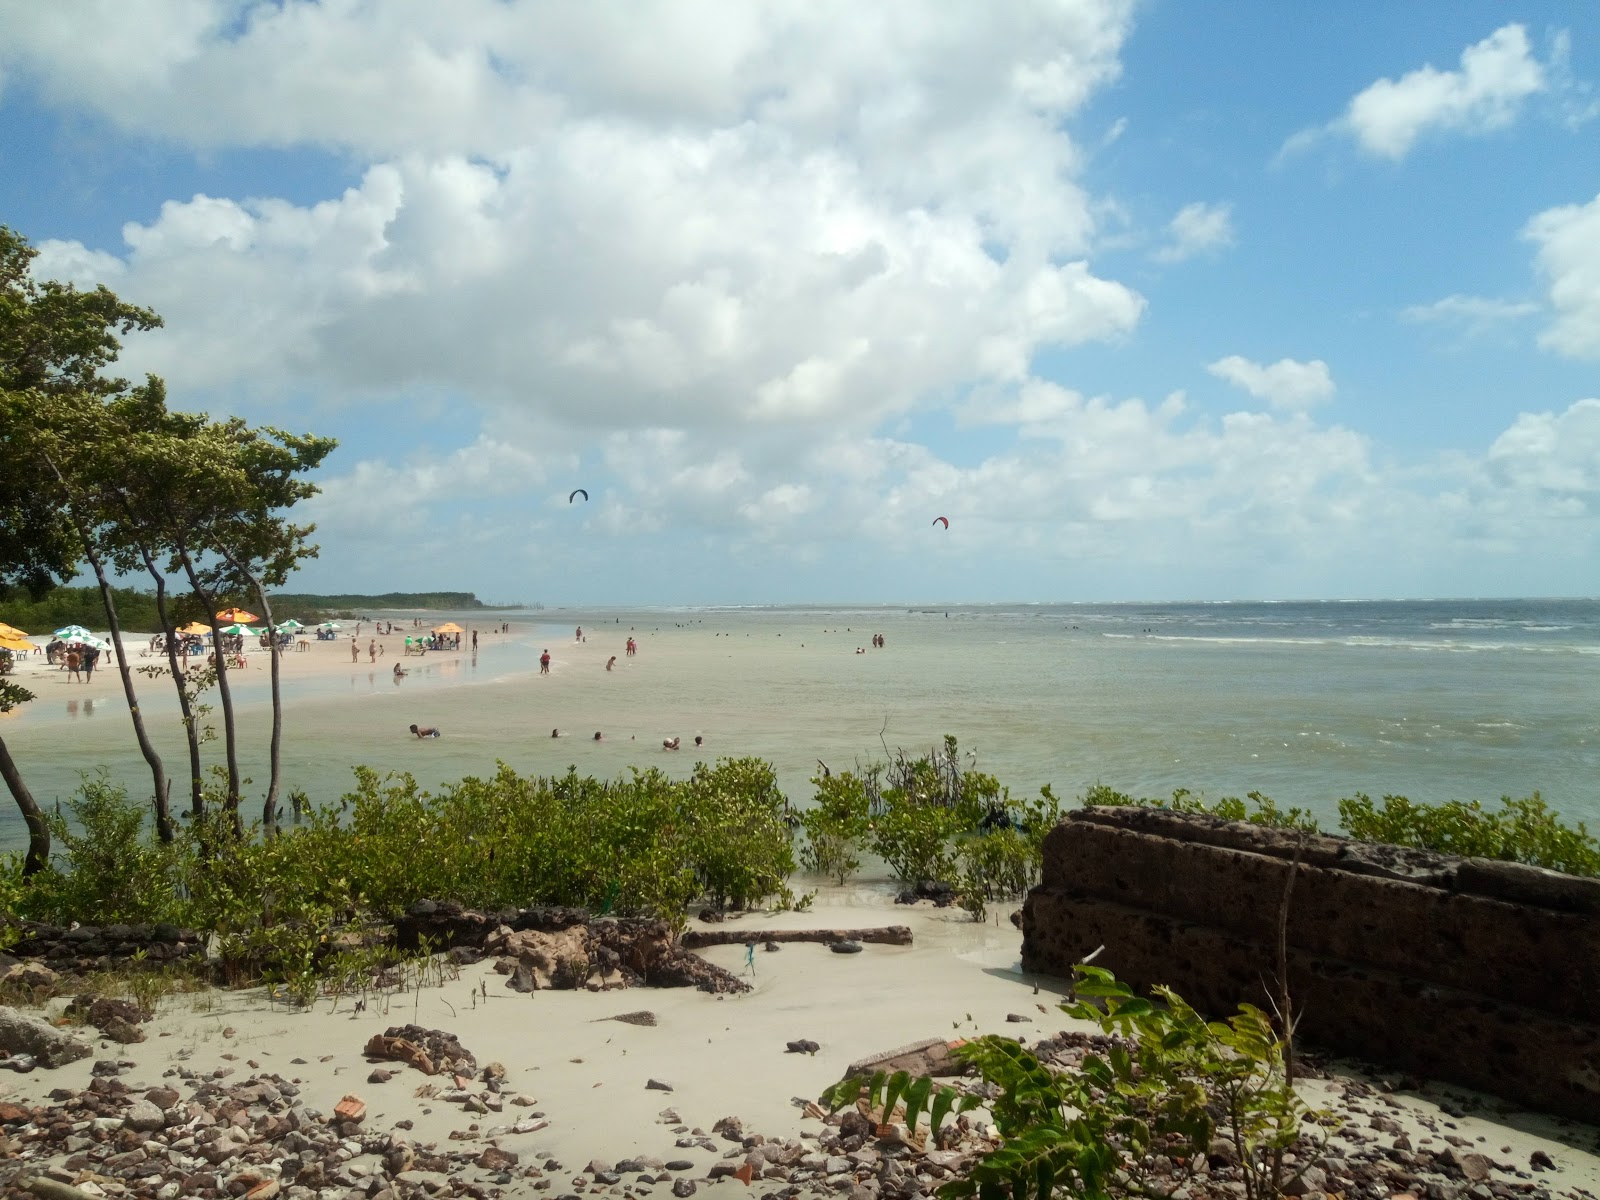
column 55, row 342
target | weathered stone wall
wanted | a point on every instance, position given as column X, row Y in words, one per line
column 103, row 947
column 1477, row 972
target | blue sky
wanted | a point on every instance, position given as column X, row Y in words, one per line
column 1153, row 300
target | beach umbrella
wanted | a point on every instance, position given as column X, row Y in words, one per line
column 448, row 627
column 88, row 639
column 291, row 624
column 329, row 625
column 7, row 642
column 195, row 629
column 71, row 631
column 11, row 631
column 236, row 615
column 240, row 629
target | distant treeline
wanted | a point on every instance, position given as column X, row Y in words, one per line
column 136, row 610
column 449, row 601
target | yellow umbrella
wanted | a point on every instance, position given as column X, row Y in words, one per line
column 237, row 615
column 448, row 627
column 7, row 642
column 11, row 631
column 195, row 628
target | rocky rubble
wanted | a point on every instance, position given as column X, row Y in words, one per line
column 84, row 948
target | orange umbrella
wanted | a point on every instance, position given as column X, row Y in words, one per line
column 237, row 616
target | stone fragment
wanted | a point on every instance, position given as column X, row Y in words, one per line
column 22, row 1035
column 845, row 947
column 144, row 1117
column 802, row 1046
column 656, row 1085
column 682, row 1188
column 495, row 1159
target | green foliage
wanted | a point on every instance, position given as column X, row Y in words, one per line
column 1524, row 831
column 1261, row 810
column 732, row 816
column 104, row 868
column 78, row 606
column 836, row 825
column 1169, row 1084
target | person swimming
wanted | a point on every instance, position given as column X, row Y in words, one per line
column 671, row 743
column 427, row 731
column 555, row 733
column 597, row 735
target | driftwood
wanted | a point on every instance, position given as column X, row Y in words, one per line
column 890, row 935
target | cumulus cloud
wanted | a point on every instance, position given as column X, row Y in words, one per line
column 1569, row 258
column 1496, row 76
column 1197, row 228
column 799, row 220
column 1284, row 384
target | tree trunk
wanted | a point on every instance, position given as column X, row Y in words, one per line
column 158, row 771
column 38, row 831
column 224, row 693
column 191, row 733
column 269, row 817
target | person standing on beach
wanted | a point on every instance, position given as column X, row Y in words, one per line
column 372, row 650
column 74, row 661
column 90, row 657
column 544, row 663
column 474, row 641
column 355, row 650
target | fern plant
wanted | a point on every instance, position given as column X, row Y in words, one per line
column 1169, row 1084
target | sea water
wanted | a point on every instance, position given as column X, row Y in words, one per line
column 1307, row 702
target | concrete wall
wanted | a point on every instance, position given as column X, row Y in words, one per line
column 1482, row 973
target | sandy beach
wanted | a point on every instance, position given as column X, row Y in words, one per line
column 587, row 1074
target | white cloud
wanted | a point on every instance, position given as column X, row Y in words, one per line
column 792, row 218
column 1569, row 258
column 1553, row 458
column 1495, row 77
column 1198, row 227
column 1284, row 384
column 1475, row 311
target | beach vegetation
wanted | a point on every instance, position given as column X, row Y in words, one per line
column 1168, row 1084
column 1522, row 830
column 1260, row 809
column 280, row 907
column 836, row 826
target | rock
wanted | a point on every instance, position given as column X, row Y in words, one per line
column 845, row 947
column 1019, row 1019
column 431, row 1051
column 163, row 1097
column 144, row 1117
column 642, row 1017
column 20, row 1063
column 1475, row 1167
column 30, row 975
column 683, row 1187
column 379, row 1075
column 656, row 1085
column 680, row 1164
column 495, row 1159
column 1310, row 1181
column 802, row 1046
column 122, row 1031
column 855, row 1123
column 22, row 1035
column 732, row 1128
column 1538, row 1160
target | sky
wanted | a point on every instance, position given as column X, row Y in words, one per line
column 1150, row 300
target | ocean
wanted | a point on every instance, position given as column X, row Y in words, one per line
column 1307, row 702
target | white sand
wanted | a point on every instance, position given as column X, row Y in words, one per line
column 722, row 1055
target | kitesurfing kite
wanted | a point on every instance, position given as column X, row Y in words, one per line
column 576, row 492
column 945, row 521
